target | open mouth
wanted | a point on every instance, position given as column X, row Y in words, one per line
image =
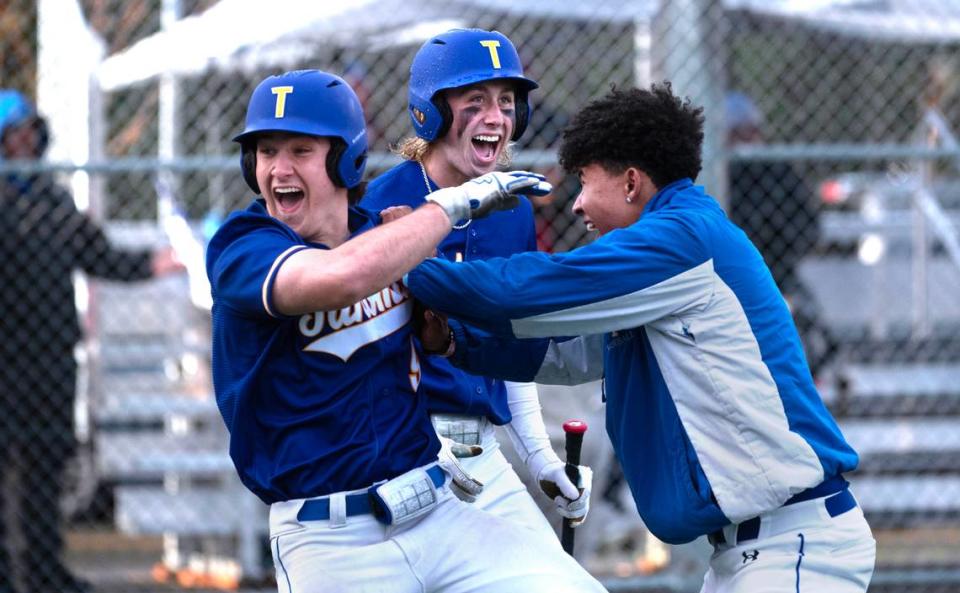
column 590, row 226
column 486, row 145
column 288, row 198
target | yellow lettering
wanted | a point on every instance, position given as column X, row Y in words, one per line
column 415, row 373
column 492, row 45
column 281, row 92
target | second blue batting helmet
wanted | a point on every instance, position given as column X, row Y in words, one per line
column 461, row 57
column 313, row 103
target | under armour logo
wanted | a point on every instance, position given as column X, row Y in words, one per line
column 751, row 556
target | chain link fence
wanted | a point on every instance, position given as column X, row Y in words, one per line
column 831, row 139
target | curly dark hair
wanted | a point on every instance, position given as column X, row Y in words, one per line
column 653, row 130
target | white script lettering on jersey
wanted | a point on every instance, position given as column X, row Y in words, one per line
column 344, row 331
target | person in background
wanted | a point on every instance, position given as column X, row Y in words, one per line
column 43, row 240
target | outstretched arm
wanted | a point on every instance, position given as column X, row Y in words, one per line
column 625, row 279
column 319, row 280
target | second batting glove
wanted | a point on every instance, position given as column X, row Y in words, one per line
column 572, row 501
column 463, row 485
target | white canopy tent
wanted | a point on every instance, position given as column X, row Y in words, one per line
column 240, row 34
column 237, row 35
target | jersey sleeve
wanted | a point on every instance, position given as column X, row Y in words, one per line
column 625, row 279
column 243, row 266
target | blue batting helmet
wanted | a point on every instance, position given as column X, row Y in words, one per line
column 313, row 103
column 16, row 110
column 460, row 57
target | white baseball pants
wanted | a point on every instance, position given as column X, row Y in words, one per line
column 455, row 548
column 504, row 494
column 800, row 548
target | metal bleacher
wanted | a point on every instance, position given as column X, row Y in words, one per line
column 894, row 387
column 158, row 436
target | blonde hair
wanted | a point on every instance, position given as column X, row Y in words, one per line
column 414, row 148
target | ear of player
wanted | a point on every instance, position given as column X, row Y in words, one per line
column 488, row 193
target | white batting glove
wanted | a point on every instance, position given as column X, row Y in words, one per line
column 572, row 501
column 494, row 191
column 463, row 485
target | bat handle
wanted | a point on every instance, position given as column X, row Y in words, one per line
column 573, row 429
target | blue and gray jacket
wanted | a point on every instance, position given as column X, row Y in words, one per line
column 711, row 408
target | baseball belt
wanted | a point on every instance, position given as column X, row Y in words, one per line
column 395, row 501
column 836, row 504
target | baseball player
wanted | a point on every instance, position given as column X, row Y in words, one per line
column 711, row 408
column 316, row 374
column 468, row 98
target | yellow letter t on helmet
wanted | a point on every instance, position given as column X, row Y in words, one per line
column 281, row 92
column 492, row 45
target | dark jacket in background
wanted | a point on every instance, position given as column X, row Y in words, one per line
column 43, row 239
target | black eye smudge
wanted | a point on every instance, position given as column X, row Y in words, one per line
column 466, row 116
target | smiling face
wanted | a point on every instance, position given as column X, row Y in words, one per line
column 292, row 174
column 602, row 202
column 483, row 120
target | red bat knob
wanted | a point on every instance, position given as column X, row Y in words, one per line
column 575, row 426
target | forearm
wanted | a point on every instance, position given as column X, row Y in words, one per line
column 526, row 429
column 623, row 280
column 319, row 280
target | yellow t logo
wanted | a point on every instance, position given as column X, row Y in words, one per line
column 492, row 45
column 281, row 92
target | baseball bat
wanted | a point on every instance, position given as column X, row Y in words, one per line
column 573, row 429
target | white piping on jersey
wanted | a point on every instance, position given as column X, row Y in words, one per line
column 622, row 312
column 269, row 278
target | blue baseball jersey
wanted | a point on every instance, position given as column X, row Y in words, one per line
column 711, row 408
column 315, row 403
column 449, row 389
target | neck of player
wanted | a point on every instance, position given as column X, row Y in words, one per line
column 441, row 171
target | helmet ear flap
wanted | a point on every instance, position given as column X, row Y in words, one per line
column 248, row 165
column 522, row 109
column 439, row 101
column 337, row 148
